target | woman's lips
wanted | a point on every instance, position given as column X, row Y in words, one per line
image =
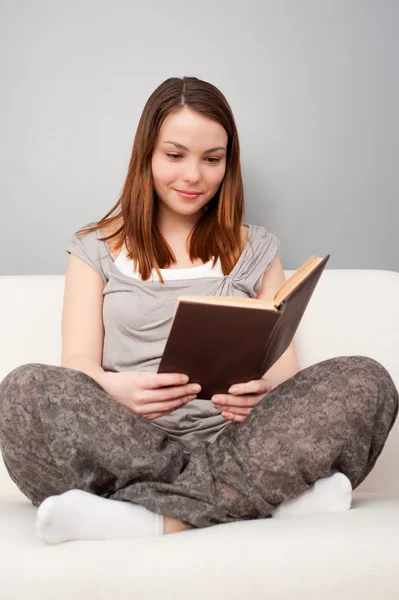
column 185, row 195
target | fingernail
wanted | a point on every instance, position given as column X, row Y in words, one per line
column 234, row 389
column 192, row 396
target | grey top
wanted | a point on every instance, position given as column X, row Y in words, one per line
column 137, row 315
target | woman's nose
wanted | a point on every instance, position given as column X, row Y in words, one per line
column 191, row 172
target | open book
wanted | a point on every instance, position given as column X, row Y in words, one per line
column 219, row 341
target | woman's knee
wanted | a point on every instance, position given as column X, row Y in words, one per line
column 369, row 367
column 19, row 390
column 23, row 374
column 354, row 361
column 373, row 378
column 365, row 366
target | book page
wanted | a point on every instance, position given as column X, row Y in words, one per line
column 295, row 279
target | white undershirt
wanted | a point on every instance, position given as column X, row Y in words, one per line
column 125, row 265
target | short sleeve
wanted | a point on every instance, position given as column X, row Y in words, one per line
column 94, row 252
column 261, row 249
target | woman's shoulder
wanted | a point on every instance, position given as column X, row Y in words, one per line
column 86, row 244
column 256, row 233
column 261, row 244
column 259, row 253
column 244, row 235
column 109, row 229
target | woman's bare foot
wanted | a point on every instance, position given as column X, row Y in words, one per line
column 172, row 525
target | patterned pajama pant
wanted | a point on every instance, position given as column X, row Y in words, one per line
column 60, row 430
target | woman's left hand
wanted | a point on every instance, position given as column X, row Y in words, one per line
column 242, row 397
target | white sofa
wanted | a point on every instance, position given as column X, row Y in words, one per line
column 349, row 555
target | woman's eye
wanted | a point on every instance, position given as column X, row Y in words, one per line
column 176, row 156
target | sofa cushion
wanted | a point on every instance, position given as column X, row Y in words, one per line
column 344, row 555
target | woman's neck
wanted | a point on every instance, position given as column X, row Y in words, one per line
column 176, row 227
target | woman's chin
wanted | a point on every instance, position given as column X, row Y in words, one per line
column 192, row 210
column 187, row 211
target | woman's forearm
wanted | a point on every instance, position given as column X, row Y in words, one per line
column 86, row 365
column 287, row 366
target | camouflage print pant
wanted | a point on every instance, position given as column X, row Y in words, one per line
column 60, row 430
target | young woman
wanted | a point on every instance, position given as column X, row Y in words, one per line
column 107, row 447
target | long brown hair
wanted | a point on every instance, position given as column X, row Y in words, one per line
column 218, row 232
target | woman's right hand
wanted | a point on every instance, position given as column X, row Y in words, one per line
column 151, row 395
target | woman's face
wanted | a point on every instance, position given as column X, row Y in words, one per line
column 189, row 155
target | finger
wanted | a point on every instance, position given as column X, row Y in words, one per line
column 243, row 401
column 157, row 380
column 233, row 417
column 255, row 386
column 151, row 416
column 155, row 415
column 235, row 410
column 163, row 407
column 166, row 393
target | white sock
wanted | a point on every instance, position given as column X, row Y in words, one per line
column 326, row 495
column 78, row 515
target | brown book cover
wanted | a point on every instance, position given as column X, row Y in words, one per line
column 219, row 341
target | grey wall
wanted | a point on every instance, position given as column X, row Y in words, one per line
column 313, row 86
